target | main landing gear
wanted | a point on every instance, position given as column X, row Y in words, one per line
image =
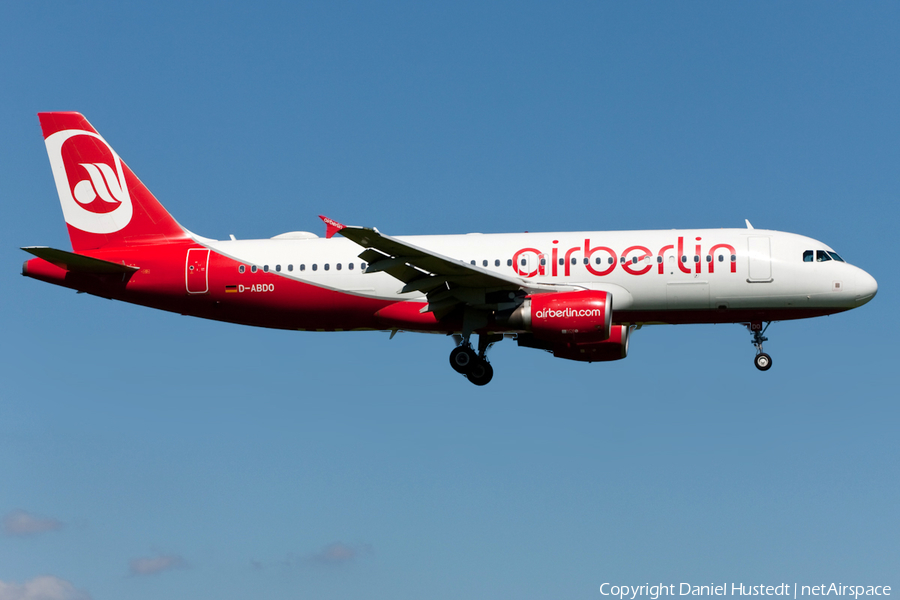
column 474, row 365
column 762, row 361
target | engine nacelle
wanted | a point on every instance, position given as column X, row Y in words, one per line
column 581, row 317
column 614, row 348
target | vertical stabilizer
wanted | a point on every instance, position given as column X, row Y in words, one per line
column 103, row 201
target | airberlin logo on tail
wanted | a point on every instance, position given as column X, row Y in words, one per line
column 90, row 180
column 103, row 184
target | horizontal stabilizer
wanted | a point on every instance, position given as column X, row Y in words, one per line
column 78, row 263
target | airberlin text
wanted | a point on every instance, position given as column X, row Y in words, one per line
column 549, row 313
column 654, row 591
column 635, row 260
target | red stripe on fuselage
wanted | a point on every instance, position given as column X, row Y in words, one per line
column 282, row 303
column 276, row 301
column 720, row 316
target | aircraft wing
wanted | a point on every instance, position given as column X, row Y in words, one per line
column 446, row 282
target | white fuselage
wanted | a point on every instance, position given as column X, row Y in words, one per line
column 719, row 268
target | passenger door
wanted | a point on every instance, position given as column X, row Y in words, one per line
column 759, row 255
column 196, row 273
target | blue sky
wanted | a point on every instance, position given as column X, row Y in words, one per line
column 148, row 455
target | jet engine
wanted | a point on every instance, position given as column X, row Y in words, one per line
column 565, row 316
column 571, row 325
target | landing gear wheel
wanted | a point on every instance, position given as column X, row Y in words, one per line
column 763, row 361
column 481, row 372
column 462, row 359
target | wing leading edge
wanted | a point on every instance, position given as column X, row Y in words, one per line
column 446, row 282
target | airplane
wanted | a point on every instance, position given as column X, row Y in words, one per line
column 578, row 295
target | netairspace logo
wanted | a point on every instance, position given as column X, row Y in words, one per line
column 654, row 592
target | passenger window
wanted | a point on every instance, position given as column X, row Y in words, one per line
column 807, row 256
column 610, row 260
column 543, row 262
column 338, row 266
column 708, row 258
column 362, row 266
column 696, row 258
column 326, row 266
column 721, row 258
column 241, row 269
column 350, row 266
column 497, row 263
column 278, row 268
column 508, row 262
column 734, row 258
column 302, row 267
column 562, row 261
column 598, row 260
column 473, row 262
column 290, row 267
column 659, row 259
column 822, row 256
column 315, row 267
column 253, row 269
column 683, row 258
column 574, row 261
column 835, row 256
column 266, row 268
column 484, row 263
column 523, row 262
column 622, row 260
column 587, row 260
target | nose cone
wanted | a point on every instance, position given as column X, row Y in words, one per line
column 866, row 287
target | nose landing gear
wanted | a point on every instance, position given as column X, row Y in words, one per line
column 474, row 366
column 762, row 360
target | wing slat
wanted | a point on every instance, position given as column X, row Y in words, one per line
column 448, row 283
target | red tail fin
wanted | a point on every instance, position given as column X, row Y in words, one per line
column 103, row 202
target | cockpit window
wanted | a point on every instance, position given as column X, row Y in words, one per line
column 808, row 255
column 835, row 256
column 822, row 256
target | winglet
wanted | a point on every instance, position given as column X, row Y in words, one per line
column 747, row 221
column 331, row 226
